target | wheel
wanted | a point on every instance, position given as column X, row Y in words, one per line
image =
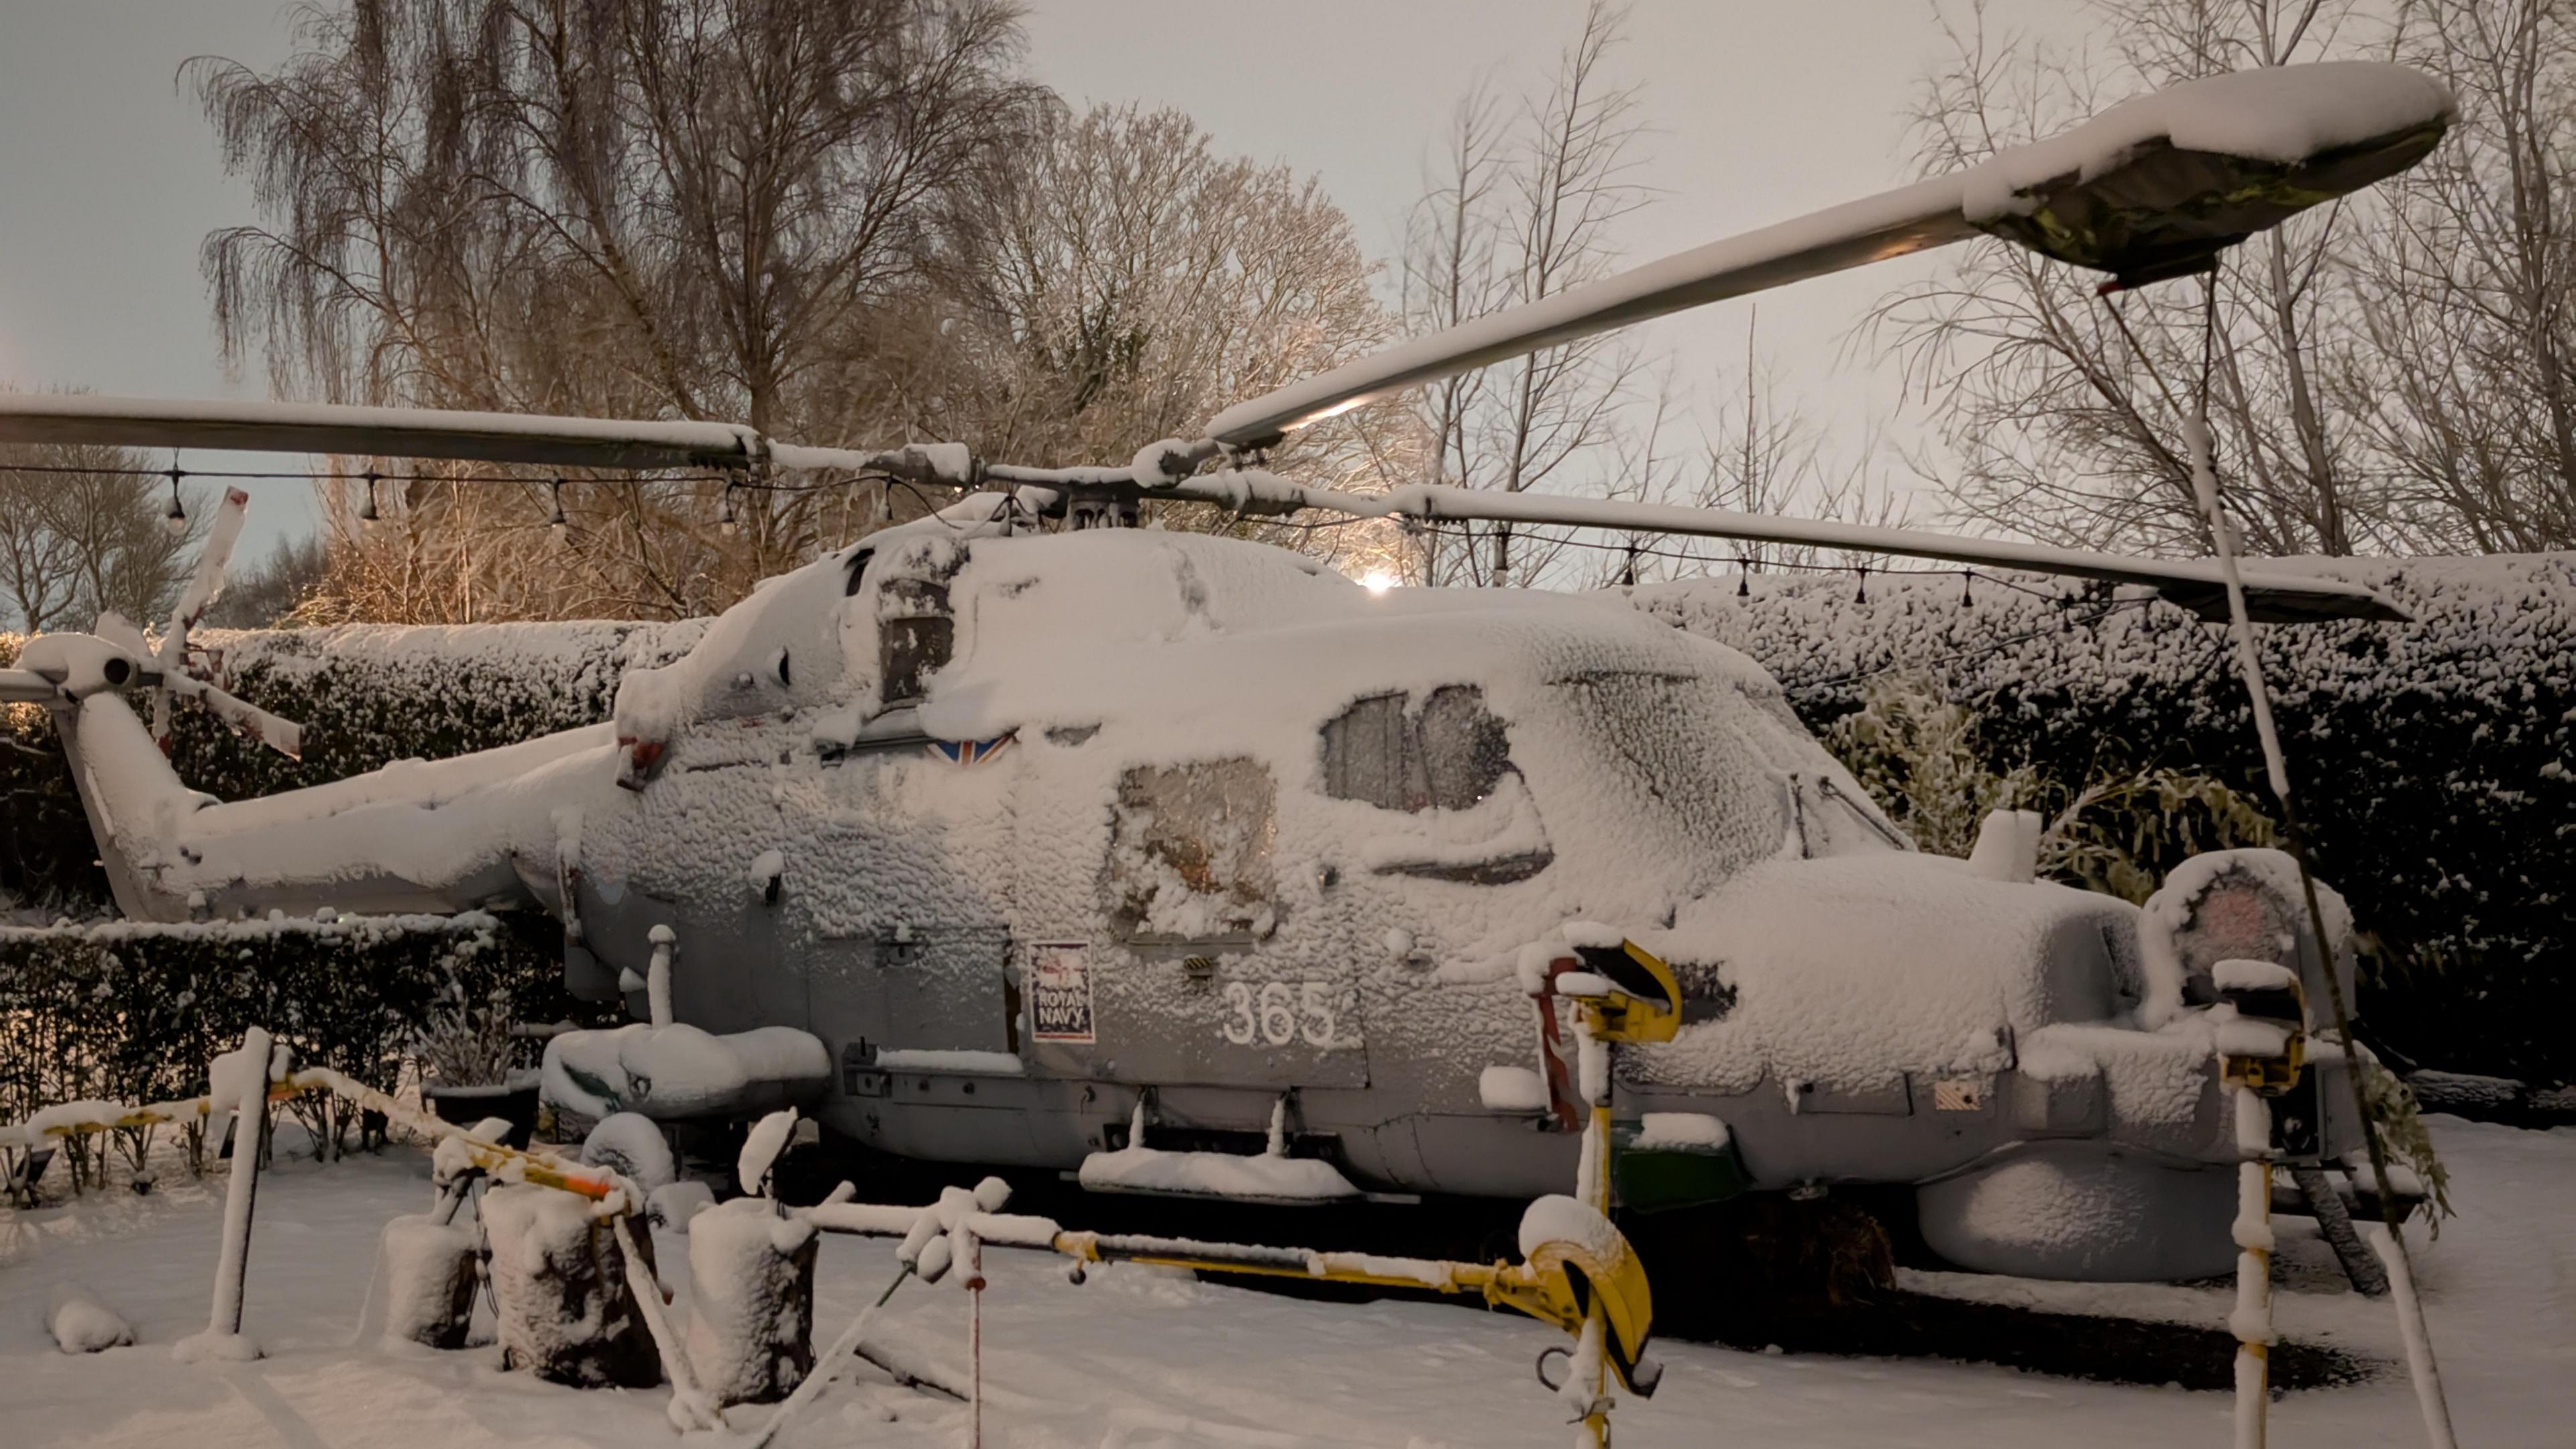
column 631, row 1145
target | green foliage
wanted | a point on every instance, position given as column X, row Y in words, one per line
column 2402, row 1134
column 2116, row 828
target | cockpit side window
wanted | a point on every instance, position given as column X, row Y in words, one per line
column 1450, row 754
column 1364, row 753
column 1462, row 745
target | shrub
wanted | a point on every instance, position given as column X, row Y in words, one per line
column 133, row 1012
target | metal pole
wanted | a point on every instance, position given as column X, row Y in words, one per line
column 241, row 1192
column 974, row 1337
column 1591, row 1358
column 2204, row 481
column 2252, row 1319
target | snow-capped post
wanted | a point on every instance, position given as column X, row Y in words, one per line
column 428, row 1279
column 569, row 1288
column 751, row 1268
column 240, row 1079
column 2259, row 1020
column 657, row 976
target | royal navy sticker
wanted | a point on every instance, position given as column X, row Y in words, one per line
column 1060, row 992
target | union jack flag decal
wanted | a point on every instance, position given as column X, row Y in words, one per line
column 969, row 752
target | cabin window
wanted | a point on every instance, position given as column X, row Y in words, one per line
column 1450, row 754
column 915, row 635
column 1190, row 850
column 1364, row 752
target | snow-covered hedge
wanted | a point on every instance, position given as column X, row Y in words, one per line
column 133, row 1012
column 2432, row 760
column 367, row 694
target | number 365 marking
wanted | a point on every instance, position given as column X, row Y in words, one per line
column 1281, row 1013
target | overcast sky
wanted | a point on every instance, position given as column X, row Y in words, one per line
column 1758, row 110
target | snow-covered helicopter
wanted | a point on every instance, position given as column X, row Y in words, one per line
column 1000, row 835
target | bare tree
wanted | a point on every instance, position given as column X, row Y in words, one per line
column 2062, row 412
column 267, row 594
column 86, row 530
column 1126, row 282
column 2463, row 373
column 1512, row 215
column 1452, row 273
column 658, row 208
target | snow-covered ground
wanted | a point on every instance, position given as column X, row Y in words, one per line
column 1143, row 1359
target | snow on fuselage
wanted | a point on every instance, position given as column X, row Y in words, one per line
column 1194, row 815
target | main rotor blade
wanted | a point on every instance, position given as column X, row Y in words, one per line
column 2153, row 188
column 372, row 432
column 1892, row 224
column 2196, row 584
column 527, row 439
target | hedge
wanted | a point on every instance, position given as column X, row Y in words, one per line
column 2432, row 759
column 132, row 1011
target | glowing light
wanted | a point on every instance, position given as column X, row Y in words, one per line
column 1379, row 581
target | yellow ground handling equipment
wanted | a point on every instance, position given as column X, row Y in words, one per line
column 1577, row 1271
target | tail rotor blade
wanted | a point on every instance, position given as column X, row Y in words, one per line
column 118, row 630
column 213, row 558
column 212, row 562
column 277, row 732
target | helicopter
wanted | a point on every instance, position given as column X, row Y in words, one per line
column 1020, row 836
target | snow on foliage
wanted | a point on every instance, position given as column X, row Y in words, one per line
column 79, row 1323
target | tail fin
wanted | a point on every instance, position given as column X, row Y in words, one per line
column 133, row 799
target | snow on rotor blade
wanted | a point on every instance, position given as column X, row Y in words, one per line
column 1891, row 224
column 631, row 444
column 2153, row 188
column 278, row 733
column 18, row 686
column 120, row 631
column 213, row 558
